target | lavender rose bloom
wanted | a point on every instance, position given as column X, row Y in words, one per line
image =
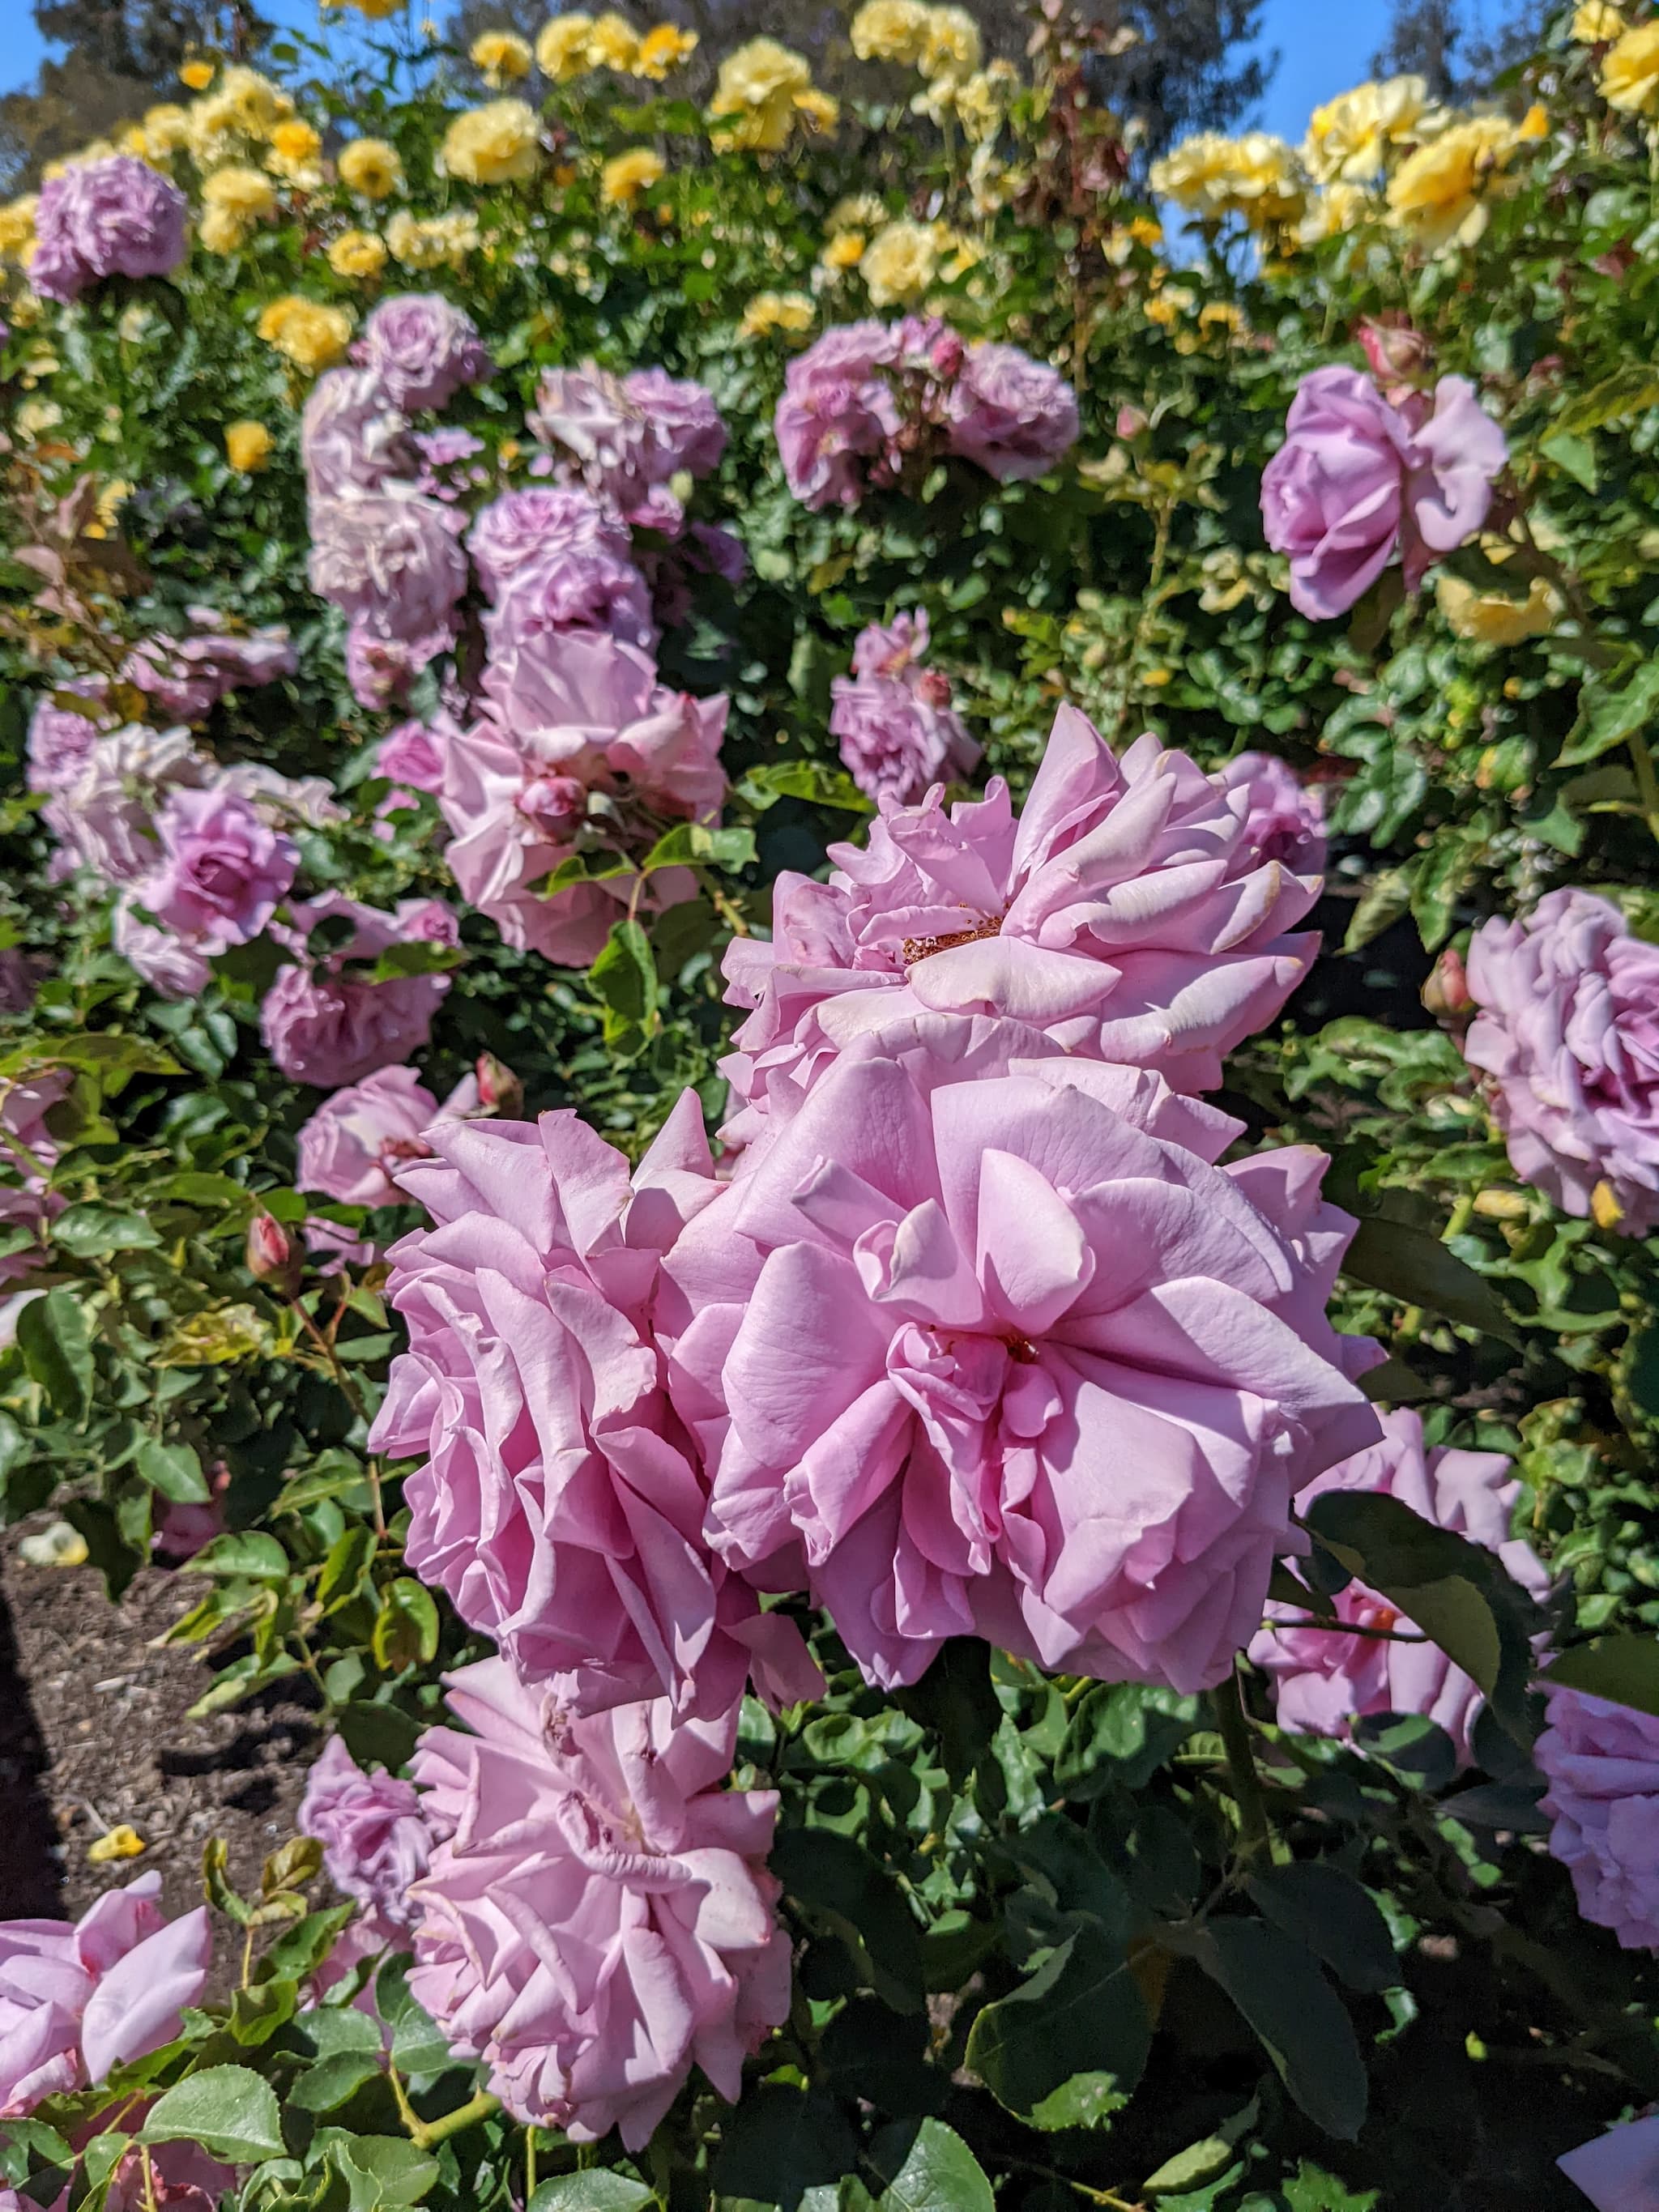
column 687, row 431
column 1618, row 2171
column 1568, row 1033
column 221, row 871
column 538, row 525
column 111, row 218
column 1286, row 819
column 63, row 737
column 1358, row 478
column 1603, row 1764
column 564, row 591
column 355, row 1142
column 838, row 409
column 390, row 560
column 168, row 963
column 411, row 755
column 376, row 1844
column 187, row 677
column 1013, row 416
column 322, row 1025
column 893, row 719
column 351, row 437
column 423, row 349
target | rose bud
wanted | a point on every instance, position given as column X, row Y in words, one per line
column 500, row 1092
column 273, row 1258
column 1131, row 422
column 1446, row 994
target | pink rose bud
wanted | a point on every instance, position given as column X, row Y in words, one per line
column 933, row 688
column 554, row 803
column 1131, row 421
column 272, row 1254
column 946, row 354
column 1394, row 349
column 500, row 1092
column 1446, row 994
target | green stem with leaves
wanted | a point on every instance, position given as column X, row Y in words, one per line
column 1255, row 1833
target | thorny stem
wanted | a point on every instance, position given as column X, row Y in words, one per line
column 1256, row 1836
column 1109, row 2198
column 1343, row 1628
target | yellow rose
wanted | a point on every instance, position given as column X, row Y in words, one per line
column 1255, row 177
column 243, row 107
column 776, row 311
column 222, row 232
column 372, row 167
column 662, row 49
column 562, row 47
column 758, row 87
column 819, row 110
column 625, row 176
column 858, row 211
column 296, row 141
column 166, row 128
column 1490, row 617
column 17, row 226
column 890, row 31
column 432, row 242
column 503, row 56
column 312, row 336
column 978, row 102
column 901, row 262
column 247, row 447
column 1222, row 314
column 492, row 145
column 1347, row 137
column 950, row 43
column 198, row 75
column 357, row 253
column 845, row 250
column 1333, row 212
column 1594, row 22
column 134, row 141
column 1439, row 192
column 613, row 43
column 1630, row 70
column 244, row 193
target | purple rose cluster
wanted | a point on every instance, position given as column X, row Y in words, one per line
column 892, row 717
column 116, row 217
column 870, row 400
column 1362, row 476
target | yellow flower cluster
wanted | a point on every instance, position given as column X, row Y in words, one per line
column 763, row 90
column 1492, row 618
column 241, row 113
column 1441, row 193
column 313, row 336
column 17, row 227
column 1630, row 70
column 357, row 253
column 294, row 149
column 503, row 56
column 247, row 447
column 1349, row 137
column 904, row 258
column 495, row 144
column 626, row 175
column 943, row 43
column 235, row 202
column 371, row 168
column 1335, row 211
column 1594, row 22
column 776, row 311
column 569, row 46
column 436, row 241
column 1255, row 177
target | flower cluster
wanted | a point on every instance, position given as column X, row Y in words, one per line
column 892, row 718
column 870, row 399
column 111, row 218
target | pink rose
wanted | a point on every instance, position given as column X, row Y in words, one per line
column 411, row 753
column 603, row 1919
column 1012, row 415
column 1323, row 1679
column 221, row 871
column 1603, row 1765
column 1285, row 820
column 423, row 349
column 326, row 1025
column 187, row 677
column 392, row 563
column 525, row 526
column 63, row 734
column 893, row 719
column 375, row 1844
column 981, row 1344
column 1567, row 1033
column 352, row 439
column 838, row 409
column 359, row 1139
column 1127, row 912
column 558, row 1506
column 116, row 217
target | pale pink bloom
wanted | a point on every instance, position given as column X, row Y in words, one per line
column 188, row 676
column 981, row 1344
column 525, row 526
column 375, row 1844
column 64, row 737
column 558, row 1507
column 839, row 412
column 1013, row 416
column 392, row 563
column 167, row 962
column 1126, row 912
column 423, row 349
column 564, row 590
column 323, row 1024
column 624, row 437
column 221, row 872
column 117, row 217
column 78, row 1999
column 603, row 1919
column 893, row 719
column 352, row 439
column 413, row 754
column 1567, row 1033
column 1287, row 818
column 105, row 815
column 1618, row 2171
column 359, row 1139
column 1325, row 1681
column 1601, row 1761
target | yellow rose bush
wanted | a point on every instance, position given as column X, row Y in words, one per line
column 829, row 995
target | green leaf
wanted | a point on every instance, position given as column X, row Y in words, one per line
column 377, row 1734
column 926, row 2166
column 405, row 1628
column 625, row 977
column 837, row 1882
column 1336, row 1918
column 1276, row 1984
column 419, row 956
column 1625, row 1670
column 174, row 1471
column 810, row 779
column 229, row 2111
column 692, row 844
column 1081, row 2014
column 55, row 1342
column 246, row 1552
column 1120, row 1733
column 345, row 1569
column 382, row 2174
column 417, row 2042
column 1610, row 712
column 956, row 1699
column 785, row 2148
column 1572, row 451
column 598, row 2189
column 1412, row 1264
column 91, row 1228
column 325, row 2087
column 1202, row 2162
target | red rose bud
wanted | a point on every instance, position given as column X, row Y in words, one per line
column 933, row 688
column 1446, row 994
column 272, row 1255
column 500, row 1090
column 1394, row 349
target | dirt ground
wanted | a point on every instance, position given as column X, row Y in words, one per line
column 92, row 1733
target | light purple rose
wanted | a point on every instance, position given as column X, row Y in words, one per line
column 686, row 429
column 1324, row 1679
column 357, row 1142
column 603, row 1918
column 838, row 412
column 411, row 755
column 62, row 735
column 1601, row 1761
column 381, row 670
column 392, row 561
column 562, row 591
column 1357, row 479
column 324, row 1023
column 623, row 437
column 105, row 815
column 1618, row 2171
column 351, row 437
column 424, row 348
column 187, row 677
column 375, row 1844
column 893, row 718
column 1286, row 818
column 116, row 217
column 166, row 963
column 1567, row 1033
column 523, row 527
column 221, row 871
column 1013, row 416
column 78, row 1999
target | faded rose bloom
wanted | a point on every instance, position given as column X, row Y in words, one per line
column 1601, row 1761
column 221, row 870
column 623, row 437
column 972, row 1281
column 893, row 719
column 392, row 562
column 1618, row 2171
column 382, row 669
column 187, row 677
column 1567, row 1033
column 63, row 736
column 686, row 429
column 547, row 522
column 323, row 1024
column 603, row 1918
column 559, row 1507
column 76, row 2000
column 375, row 1844
column 166, row 961
column 412, row 755
column 358, row 1140
column 1325, row 1680
column 117, row 217
column 542, row 600
column 1287, row 818
column 838, row 412
column 105, row 817
column 352, row 439
column 423, row 349
column 1357, row 479
column 1125, row 914
column 1012, row 415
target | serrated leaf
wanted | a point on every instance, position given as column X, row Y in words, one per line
column 406, row 1627
column 597, row 2189
column 1081, row 2014
column 55, row 1342
column 231, row 2112
column 925, row 2166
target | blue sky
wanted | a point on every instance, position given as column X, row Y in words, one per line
column 1323, row 45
